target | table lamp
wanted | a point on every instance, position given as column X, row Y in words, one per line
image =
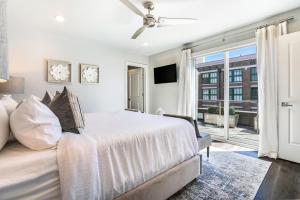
column 15, row 85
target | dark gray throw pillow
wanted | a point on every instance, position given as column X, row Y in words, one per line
column 67, row 108
column 47, row 98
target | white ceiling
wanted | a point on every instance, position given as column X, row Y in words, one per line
column 111, row 23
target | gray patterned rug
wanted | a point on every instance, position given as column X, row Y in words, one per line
column 226, row 175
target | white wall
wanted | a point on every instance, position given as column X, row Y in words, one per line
column 166, row 95
column 30, row 49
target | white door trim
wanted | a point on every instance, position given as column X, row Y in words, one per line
column 146, row 83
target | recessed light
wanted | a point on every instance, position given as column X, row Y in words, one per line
column 59, row 18
column 146, row 44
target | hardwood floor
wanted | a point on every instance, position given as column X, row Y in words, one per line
column 282, row 181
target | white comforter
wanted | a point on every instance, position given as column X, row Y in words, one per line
column 132, row 148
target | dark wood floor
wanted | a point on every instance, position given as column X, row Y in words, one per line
column 281, row 182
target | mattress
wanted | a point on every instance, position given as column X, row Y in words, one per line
column 132, row 147
column 27, row 174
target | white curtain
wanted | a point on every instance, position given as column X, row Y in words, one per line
column 186, row 95
column 267, row 68
column 3, row 42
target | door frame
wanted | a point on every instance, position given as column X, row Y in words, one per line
column 146, row 84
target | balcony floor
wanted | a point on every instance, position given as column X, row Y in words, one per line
column 244, row 134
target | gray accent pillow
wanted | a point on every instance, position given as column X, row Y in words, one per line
column 67, row 108
column 47, row 99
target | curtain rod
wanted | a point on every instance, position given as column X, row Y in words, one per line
column 273, row 23
column 277, row 22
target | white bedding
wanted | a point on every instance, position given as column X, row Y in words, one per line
column 27, row 174
column 132, row 148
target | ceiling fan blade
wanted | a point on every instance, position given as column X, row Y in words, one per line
column 167, row 21
column 159, row 25
column 138, row 32
column 132, row 7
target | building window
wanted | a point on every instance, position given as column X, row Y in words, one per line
column 210, row 94
column 213, row 77
column 236, row 94
column 235, row 75
column 209, row 78
column 205, row 94
column 213, row 94
column 254, row 93
column 253, row 74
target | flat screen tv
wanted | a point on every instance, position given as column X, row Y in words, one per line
column 165, row 74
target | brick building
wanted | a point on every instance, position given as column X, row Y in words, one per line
column 243, row 92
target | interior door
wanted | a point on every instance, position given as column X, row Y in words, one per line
column 289, row 97
column 136, row 89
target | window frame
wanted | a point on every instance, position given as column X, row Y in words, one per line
column 253, row 74
column 208, row 96
column 251, row 93
column 233, row 95
column 208, row 78
column 232, row 75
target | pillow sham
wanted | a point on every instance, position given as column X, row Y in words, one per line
column 9, row 103
column 4, row 126
column 47, row 98
column 67, row 108
column 35, row 125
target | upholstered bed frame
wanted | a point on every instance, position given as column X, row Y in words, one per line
column 168, row 183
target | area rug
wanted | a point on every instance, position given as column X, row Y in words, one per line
column 226, row 175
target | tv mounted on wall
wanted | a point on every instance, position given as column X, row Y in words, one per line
column 165, row 74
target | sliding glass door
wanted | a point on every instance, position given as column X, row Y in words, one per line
column 227, row 94
column 243, row 95
column 210, row 83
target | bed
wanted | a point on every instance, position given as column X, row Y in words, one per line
column 141, row 156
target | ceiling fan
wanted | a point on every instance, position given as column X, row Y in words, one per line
column 149, row 21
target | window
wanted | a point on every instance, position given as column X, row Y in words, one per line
column 253, row 74
column 210, row 94
column 213, row 94
column 235, row 75
column 205, row 94
column 213, row 77
column 209, row 78
column 254, row 93
column 236, row 94
column 205, row 78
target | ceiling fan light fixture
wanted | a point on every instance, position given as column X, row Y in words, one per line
column 145, row 44
column 59, row 18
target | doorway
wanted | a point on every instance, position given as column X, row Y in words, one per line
column 135, row 88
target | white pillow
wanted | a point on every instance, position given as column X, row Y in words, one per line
column 35, row 125
column 9, row 103
column 4, row 126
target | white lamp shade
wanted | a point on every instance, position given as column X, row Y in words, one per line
column 15, row 85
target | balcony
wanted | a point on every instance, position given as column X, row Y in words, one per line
column 243, row 120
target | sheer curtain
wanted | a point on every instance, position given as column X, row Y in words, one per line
column 3, row 42
column 267, row 66
column 186, row 95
